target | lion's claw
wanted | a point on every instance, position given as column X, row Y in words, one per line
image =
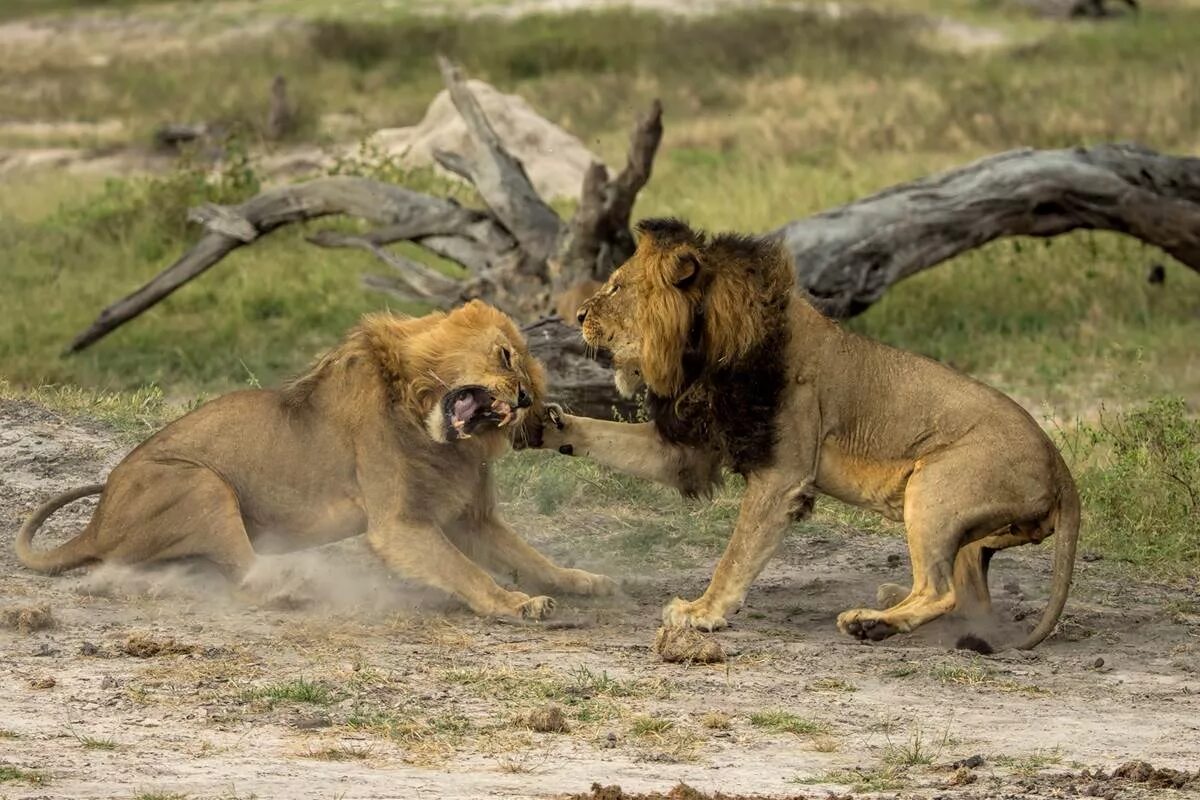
column 680, row 613
column 554, row 413
column 537, row 608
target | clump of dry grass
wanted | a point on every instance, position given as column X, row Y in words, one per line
column 143, row 645
column 687, row 646
column 548, row 719
column 27, row 619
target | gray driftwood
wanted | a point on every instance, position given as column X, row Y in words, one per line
column 521, row 255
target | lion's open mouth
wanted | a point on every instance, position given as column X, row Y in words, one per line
column 472, row 409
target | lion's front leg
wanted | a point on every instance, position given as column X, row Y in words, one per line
column 635, row 449
column 770, row 503
column 421, row 551
column 492, row 543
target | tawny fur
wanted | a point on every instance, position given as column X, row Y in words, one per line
column 745, row 372
column 354, row 445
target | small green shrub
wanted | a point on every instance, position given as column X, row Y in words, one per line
column 1140, row 484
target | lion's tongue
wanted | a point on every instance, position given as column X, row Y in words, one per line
column 465, row 407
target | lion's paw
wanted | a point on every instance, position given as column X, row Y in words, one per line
column 578, row 581
column 680, row 613
column 866, row 623
column 536, row 608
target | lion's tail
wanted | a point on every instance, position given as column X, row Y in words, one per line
column 1066, row 537
column 68, row 555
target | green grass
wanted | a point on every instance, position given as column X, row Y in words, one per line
column 1030, row 764
column 650, row 726
column 777, row 721
column 11, row 774
column 295, row 691
column 878, row 779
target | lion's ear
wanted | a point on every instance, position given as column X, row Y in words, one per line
column 685, row 268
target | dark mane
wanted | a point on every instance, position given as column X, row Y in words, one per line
column 669, row 232
column 731, row 405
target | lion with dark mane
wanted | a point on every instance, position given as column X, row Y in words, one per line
column 391, row 434
column 742, row 371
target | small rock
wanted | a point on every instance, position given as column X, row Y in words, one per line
column 610, row 741
column 46, row 650
column 108, row 682
column 88, row 649
column 963, row 776
column 1098, row 663
column 1012, row 587
column 311, row 722
column 969, row 763
column 45, row 682
column 893, row 560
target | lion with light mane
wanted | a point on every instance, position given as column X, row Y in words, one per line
column 742, row 371
column 391, row 434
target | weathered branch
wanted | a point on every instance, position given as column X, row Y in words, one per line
column 848, row 257
column 500, row 178
column 422, row 281
column 598, row 238
column 409, row 215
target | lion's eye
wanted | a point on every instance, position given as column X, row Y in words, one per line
column 614, row 288
column 506, row 357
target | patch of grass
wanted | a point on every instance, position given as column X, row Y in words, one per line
column 825, row 744
column 777, row 721
column 426, row 739
column 349, row 752
column 294, row 691
column 1140, row 482
column 650, row 726
column 5, row 733
column 717, row 721
column 878, row 779
column 831, row 684
column 11, row 774
column 96, row 743
column 901, row 671
column 1030, row 764
column 914, row 752
column 978, row 676
column 159, row 795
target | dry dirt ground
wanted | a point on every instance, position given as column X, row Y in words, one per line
column 351, row 684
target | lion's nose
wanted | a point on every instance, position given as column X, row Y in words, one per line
column 523, row 398
column 581, row 314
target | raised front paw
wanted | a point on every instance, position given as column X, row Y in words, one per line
column 578, row 581
column 683, row 614
column 536, row 608
column 555, row 431
column 866, row 623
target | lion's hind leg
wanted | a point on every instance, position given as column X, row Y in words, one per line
column 198, row 516
column 949, row 544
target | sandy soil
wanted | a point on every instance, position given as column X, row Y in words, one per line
column 408, row 695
